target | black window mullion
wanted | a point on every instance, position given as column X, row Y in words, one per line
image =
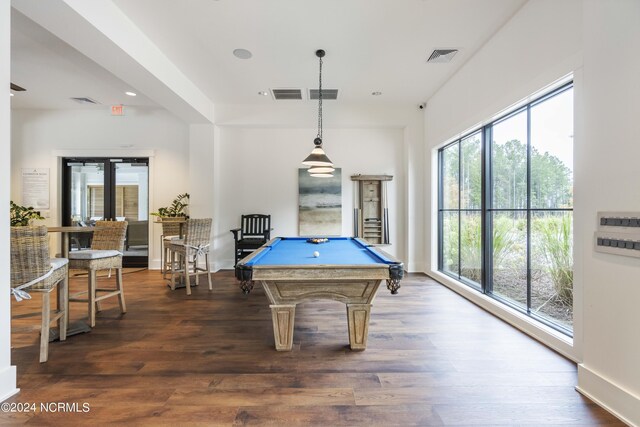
column 487, row 196
column 441, row 206
column 459, row 207
column 529, row 209
column 532, row 209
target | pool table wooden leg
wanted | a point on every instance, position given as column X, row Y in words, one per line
column 283, row 317
column 358, row 319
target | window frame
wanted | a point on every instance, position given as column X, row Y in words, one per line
column 487, row 211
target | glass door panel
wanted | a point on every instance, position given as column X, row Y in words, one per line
column 87, row 193
column 111, row 189
column 132, row 205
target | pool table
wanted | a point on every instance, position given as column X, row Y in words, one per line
column 347, row 270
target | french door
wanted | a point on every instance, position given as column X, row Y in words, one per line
column 114, row 189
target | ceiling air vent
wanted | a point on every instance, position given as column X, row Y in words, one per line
column 326, row 93
column 442, row 55
column 279, row 94
column 85, row 101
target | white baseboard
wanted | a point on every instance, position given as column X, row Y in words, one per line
column 414, row 267
column 154, row 264
column 8, row 383
column 223, row 265
column 620, row 402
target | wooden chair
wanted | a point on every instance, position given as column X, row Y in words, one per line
column 254, row 231
column 106, row 250
column 33, row 271
column 170, row 231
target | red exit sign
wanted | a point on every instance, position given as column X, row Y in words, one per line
column 117, row 110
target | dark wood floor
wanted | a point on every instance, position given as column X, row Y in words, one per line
column 433, row 358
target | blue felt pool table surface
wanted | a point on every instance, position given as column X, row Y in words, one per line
column 337, row 251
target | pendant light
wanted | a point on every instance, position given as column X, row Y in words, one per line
column 320, row 165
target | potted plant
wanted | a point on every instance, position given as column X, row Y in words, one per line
column 22, row 216
column 177, row 208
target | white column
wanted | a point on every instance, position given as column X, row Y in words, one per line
column 7, row 372
column 414, row 194
column 201, row 176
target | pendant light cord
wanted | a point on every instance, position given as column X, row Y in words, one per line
column 320, row 102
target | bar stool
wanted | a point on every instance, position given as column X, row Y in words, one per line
column 33, row 271
column 106, row 251
column 197, row 238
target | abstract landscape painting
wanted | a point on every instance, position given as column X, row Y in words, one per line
column 320, row 204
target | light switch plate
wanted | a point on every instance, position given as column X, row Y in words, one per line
column 618, row 227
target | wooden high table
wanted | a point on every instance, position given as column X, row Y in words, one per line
column 77, row 327
column 65, row 231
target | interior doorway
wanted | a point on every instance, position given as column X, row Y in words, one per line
column 108, row 188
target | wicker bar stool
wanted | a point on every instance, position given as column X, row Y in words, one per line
column 197, row 238
column 106, row 250
column 32, row 270
column 170, row 231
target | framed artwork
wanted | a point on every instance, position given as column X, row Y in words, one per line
column 319, row 204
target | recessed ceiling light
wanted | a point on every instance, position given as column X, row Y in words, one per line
column 10, row 94
column 242, row 53
column 130, row 93
column 263, row 93
column 376, row 93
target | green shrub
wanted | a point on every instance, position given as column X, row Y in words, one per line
column 556, row 241
column 471, row 248
column 471, row 245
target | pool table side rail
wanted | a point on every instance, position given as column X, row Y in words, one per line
column 309, row 272
column 390, row 268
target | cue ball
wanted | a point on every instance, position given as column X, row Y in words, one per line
column 316, row 254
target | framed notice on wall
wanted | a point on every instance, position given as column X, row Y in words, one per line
column 35, row 188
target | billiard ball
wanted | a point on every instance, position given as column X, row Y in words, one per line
column 316, row 254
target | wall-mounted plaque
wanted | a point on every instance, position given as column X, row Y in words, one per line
column 35, row 188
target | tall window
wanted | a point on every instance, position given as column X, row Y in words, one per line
column 461, row 213
column 506, row 209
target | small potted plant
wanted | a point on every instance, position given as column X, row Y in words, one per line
column 22, row 216
column 176, row 209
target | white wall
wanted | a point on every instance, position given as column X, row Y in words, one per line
column 545, row 40
column 201, row 138
column 7, row 372
column 260, row 175
column 610, row 371
column 259, row 150
column 38, row 136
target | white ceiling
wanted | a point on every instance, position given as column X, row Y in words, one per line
column 52, row 72
column 372, row 45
